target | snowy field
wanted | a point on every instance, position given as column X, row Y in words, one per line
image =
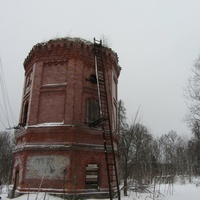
column 177, row 191
column 164, row 192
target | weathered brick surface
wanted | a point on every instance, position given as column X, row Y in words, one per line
column 56, row 91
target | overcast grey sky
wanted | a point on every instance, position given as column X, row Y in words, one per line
column 157, row 42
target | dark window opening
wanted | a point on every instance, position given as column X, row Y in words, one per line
column 92, row 110
column 64, row 178
column 25, row 114
column 16, row 183
column 92, row 177
column 93, row 79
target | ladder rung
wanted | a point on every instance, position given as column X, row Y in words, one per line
column 101, row 80
column 111, row 164
column 99, row 41
column 100, row 73
column 103, row 106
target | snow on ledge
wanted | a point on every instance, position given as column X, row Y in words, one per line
column 51, row 124
column 54, row 84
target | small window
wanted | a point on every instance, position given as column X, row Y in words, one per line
column 92, row 110
column 92, row 176
column 93, row 79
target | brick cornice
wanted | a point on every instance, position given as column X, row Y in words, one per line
column 58, row 51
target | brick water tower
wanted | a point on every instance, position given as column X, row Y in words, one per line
column 67, row 140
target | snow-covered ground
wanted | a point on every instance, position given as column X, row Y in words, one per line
column 177, row 191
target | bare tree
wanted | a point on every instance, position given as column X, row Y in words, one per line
column 122, row 121
column 192, row 94
column 123, row 144
column 142, row 154
column 194, row 149
column 144, row 159
column 135, row 149
column 6, row 143
column 173, row 154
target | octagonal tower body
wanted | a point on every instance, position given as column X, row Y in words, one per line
column 56, row 150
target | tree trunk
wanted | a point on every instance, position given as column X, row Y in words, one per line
column 125, row 178
column 125, row 187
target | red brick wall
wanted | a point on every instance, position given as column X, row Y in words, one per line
column 58, row 93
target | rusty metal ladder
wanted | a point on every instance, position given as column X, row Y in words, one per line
column 104, row 120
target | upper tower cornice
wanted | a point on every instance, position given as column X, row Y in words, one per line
column 62, row 49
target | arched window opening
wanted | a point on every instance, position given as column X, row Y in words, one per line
column 16, row 183
column 25, row 114
column 92, row 177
